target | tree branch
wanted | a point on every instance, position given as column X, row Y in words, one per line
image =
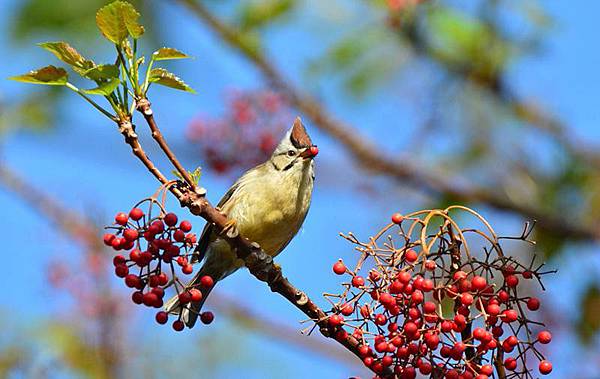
column 367, row 155
column 258, row 262
column 77, row 227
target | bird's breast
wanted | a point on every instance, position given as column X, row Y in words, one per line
column 273, row 209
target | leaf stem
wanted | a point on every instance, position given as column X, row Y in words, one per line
column 94, row 104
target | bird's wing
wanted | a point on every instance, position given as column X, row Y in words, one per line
column 207, row 235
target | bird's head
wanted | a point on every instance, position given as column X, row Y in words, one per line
column 295, row 149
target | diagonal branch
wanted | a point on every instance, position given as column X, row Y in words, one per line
column 259, row 263
column 368, row 156
column 79, row 228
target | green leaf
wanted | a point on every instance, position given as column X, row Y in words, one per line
column 118, row 20
column 49, row 75
column 165, row 78
column 103, row 71
column 165, row 53
column 104, row 88
column 64, row 52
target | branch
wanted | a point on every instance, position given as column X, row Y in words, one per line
column 259, row 263
column 77, row 227
column 367, row 155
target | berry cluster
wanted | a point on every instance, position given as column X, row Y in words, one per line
column 246, row 135
column 156, row 248
column 431, row 304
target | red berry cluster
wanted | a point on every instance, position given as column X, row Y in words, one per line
column 155, row 248
column 246, row 135
column 430, row 304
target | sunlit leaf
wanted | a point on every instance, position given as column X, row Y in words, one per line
column 104, row 88
column 118, row 20
column 103, row 71
column 64, row 52
column 49, row 75
column 165, row 53
column 165, row 78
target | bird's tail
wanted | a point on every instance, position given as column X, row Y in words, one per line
column 189, row 311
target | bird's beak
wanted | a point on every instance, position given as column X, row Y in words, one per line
column 310, row 152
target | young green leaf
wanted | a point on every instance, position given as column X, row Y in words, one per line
column 165, row 78
column 49, row 75
column 103, row 71
column 104, row 89
column 64, row 52
column 118, row 20
column 165, row 53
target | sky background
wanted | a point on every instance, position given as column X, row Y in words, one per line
column 85, row 164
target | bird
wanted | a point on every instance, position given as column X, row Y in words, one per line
column 268, row 205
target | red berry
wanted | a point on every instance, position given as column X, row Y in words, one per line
column 121, row 271
column 137, row 297
column 380, row 319
column 347, row 309
column 207, row 281
column 403, row 277
column 466, row 299
column 178, row 325
column 544, row 337
column 170, row 219
column 511, row 280
column 510, row 364
column 397, row 218
column 533, row 304
column 116, row 243
column 185, row 226
column 527, row 274
column 207, row 317
column 130, row 234
column 410, row 328
column 132, row 281
column 107, row 239
column 187, row 269
column 335, row 320
column 478, row 283
column 118, row 260
column 545, row 367
column 185, row 297
column 150, row 299
column 493, row 309
column 510, row 315
column 162, row 317
column 179, row 235
column 429, row 307
column 121, row 218
column 459, row 275
column 163, row 279
column 135, row 214
column 486, row 370
column 479, row 333
column 196, row 295
column 339, row 267
column 410, row 255
column 158, row 291
column 430, row 265
column 358, row 281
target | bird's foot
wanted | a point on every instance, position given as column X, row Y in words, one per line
column 230, row 229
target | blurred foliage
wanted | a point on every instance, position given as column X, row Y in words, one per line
column 258, row 13
column 589, row 322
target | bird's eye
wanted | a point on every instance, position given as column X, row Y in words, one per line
column 291, row 153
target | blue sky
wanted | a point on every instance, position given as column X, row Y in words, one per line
column 85, row 164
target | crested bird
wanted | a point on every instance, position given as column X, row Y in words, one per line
column 268, row 204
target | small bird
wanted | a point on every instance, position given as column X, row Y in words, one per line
column 268, row 204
